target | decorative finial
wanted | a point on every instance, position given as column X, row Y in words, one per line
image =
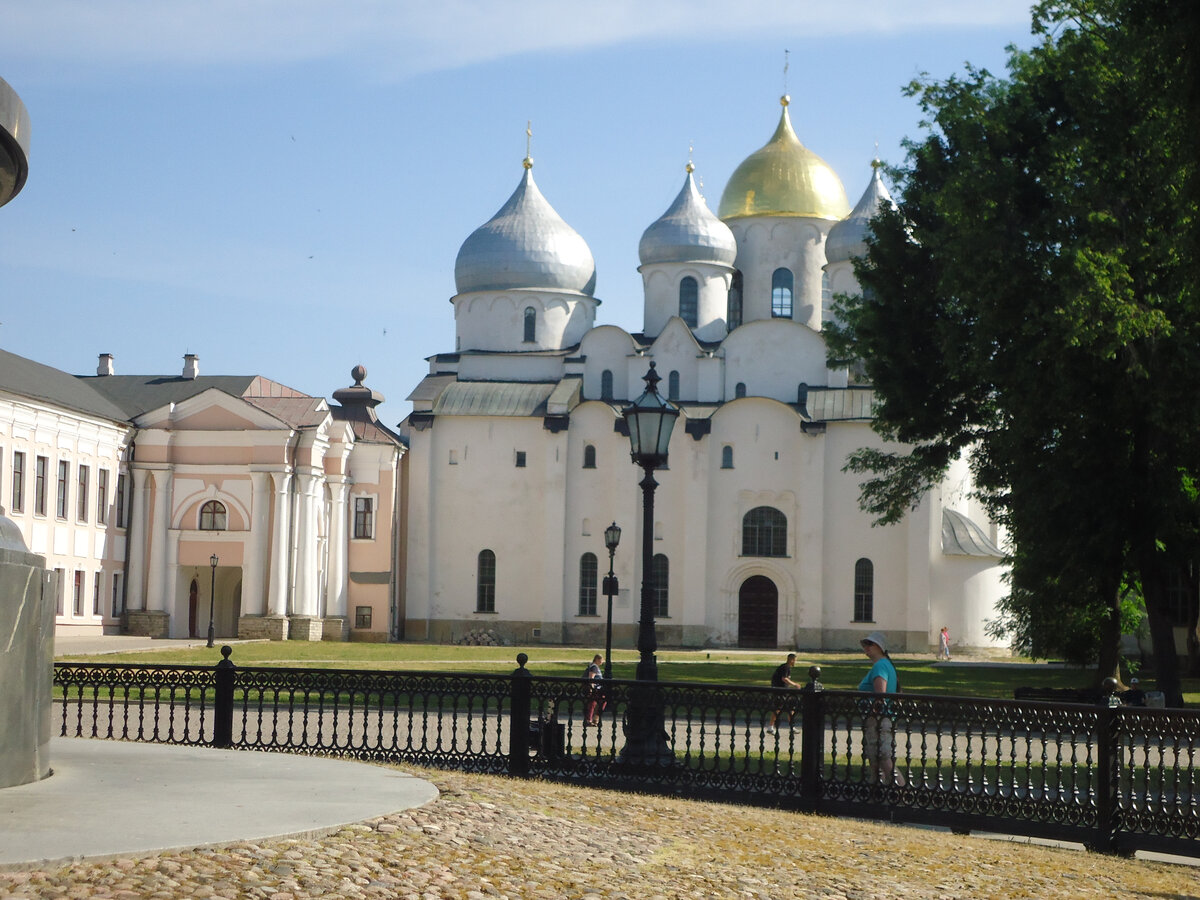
column 359, row 374
column 689, row 168
column 785, row 70
column 652, row 379
column 527, row 162
column 784, row 101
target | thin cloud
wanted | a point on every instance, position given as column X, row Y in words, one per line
column 403, row 38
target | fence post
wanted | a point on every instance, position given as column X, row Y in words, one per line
column 812, row 738
column 518, row 719
column 1108, row 771
column 223, row 708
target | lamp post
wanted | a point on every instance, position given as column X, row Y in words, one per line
column 650, row 419
column 612, row 537
column 212, row 597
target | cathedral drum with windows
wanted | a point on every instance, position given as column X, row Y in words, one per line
column 517, row 459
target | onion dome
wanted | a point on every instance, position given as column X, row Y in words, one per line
column 526, row 245
column 688, row 232
column 848, row 238
column 784, row 178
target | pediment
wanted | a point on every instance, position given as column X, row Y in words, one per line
column 210, row 410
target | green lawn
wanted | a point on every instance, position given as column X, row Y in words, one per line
column 918, row 674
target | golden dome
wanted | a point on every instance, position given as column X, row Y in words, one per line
column 784, row 178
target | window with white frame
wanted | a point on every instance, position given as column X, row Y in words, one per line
column 364, row 518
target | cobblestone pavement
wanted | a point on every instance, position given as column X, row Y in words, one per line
column 489, row 837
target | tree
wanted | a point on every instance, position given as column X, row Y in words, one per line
column 1033, row 304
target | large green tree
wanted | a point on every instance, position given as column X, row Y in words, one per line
column 1033, row 303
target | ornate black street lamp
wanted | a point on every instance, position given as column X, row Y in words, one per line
column 212, row 597
column 612, row 537
column 650, row 419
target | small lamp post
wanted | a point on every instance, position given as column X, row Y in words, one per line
column 212, row 598
column 650, row 419
column 612, row 537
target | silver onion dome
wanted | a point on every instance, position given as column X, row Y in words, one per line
column 525, row 245
column 848, row 238
column 688, row 232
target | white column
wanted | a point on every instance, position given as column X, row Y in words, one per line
column 176, row 625
column 135, row 585
column 280, row 536
column 157, row 595
column 255, row 555
column 306, row 547
column 337, row 587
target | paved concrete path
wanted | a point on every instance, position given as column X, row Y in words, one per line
column 110, row 798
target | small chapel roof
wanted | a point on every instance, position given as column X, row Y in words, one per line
column 848, row 238
column 688, row 232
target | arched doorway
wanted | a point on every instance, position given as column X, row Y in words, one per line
column 193, row 604
column 758, row 612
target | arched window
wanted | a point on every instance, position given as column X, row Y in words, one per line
column 739, row 390
column 688, row 298
column 606, row 388
column 530, row 324
column 587, row 584
column 660, row 575
column 802, row 396
column 727, row 457
column 733, row 315
column 673, row 385
column 589, row 456
column 212, row 516
column 781, row 294
column 764, row 532
column 826, row 290
column 485, row 587
column 864, row 591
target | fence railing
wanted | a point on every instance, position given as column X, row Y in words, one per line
column 1115, row 779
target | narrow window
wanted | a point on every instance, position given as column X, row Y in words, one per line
column 530, row 324
column 739, row 390
column 64, row 475
column 212, row 516
column 96, row 586
column 116, row 594
column 485, row 589
column 588, row 570
column 362, row 617
column 81, row 495
column 826, row 290
column 802, row 396
column 781, row 294
column 18, row 482
column 727, row 457
column 864, row 591
column 364, row 518
column 673, row 385
column 589, row 456
column 606, row 385
column 733, row 315
column 77, row 594
column 764, row 532
column 102, row 496
column 120, row 500
column 660, row 575
column 520, row 459
column 688, row 297
column 41, row 472
column 60, row 590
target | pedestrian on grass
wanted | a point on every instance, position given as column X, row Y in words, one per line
column 879, row 746
column 782, row 678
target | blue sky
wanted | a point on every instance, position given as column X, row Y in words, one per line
column 282, row 186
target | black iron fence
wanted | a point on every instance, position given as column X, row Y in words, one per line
column 1116, row 779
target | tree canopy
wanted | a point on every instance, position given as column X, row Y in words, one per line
column 1032, row 303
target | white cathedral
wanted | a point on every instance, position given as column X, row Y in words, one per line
column 517, row 457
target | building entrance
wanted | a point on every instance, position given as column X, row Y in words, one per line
column 758, row 612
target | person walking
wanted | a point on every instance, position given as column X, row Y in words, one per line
column 782, row 678
column 944, row 643
column 594, row 678
column 879, row 747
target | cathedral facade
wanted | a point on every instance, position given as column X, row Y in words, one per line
column 518, row 458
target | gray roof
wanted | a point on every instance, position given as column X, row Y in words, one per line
column 36, row 381
column 687, row 232
column 848, row 238
column 840, row 404
column 962, row 537
column 494, row 398
column 136, row 394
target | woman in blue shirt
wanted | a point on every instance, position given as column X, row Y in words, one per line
column 879, row 747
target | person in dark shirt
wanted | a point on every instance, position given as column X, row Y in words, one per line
column 782, row 678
